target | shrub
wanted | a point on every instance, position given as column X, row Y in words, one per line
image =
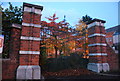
column 65, row 62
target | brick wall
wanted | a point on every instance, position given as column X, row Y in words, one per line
column 26, row 31
column 112, row 58
column 109, row 38
column 8, row 69
column 9, row 65
column 29, row 60
column 33, row 45
column 97, row 29
column 97, row 49
column 99, row 59
column 27, row 19
column 97, row 39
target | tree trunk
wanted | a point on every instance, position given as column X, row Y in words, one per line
column 56, row 49
column 60, row 51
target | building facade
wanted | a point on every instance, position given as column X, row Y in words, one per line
column 113, row 37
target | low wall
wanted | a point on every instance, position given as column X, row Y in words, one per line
column 10, row 65
column 112, row 59
column 8, row 69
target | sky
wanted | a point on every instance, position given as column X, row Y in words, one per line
column 119, row 13
column 74, row 11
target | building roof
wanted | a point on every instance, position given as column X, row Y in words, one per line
column 109, row 34
column 117, row 33
column 113, row 29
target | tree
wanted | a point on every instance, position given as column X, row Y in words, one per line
column 82, row 28
column 86, row 18
column 9, row 15
column 57, row 34
column 12, row 14
column 53, row 27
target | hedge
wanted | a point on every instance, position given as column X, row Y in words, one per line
column 74, row 61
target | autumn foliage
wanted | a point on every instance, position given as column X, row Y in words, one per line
column 61, row 40
column 57, row 37
column 68, row 72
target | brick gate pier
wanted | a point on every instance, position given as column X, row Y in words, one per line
column 30, row 43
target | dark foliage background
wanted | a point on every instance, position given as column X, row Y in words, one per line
column 74, row 61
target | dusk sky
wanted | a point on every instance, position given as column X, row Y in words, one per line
column 74, row 11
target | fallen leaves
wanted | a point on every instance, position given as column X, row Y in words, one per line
column 68, row 72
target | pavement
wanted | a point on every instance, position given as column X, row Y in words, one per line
column 97, row 76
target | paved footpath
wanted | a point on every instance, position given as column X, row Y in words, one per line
column 86, row 77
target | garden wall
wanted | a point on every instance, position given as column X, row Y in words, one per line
column 9, row 65
column 112, row 59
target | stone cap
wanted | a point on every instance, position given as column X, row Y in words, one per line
column 32, row 5
column 98, row 20
column 16, row 25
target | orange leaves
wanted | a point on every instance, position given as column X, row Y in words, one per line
column 49, row 19
column 52, row 18
column 68, row 72
column 54, row 15
column 44, row 24
column 52, row 24
column 60, row 34
column 81, row 26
